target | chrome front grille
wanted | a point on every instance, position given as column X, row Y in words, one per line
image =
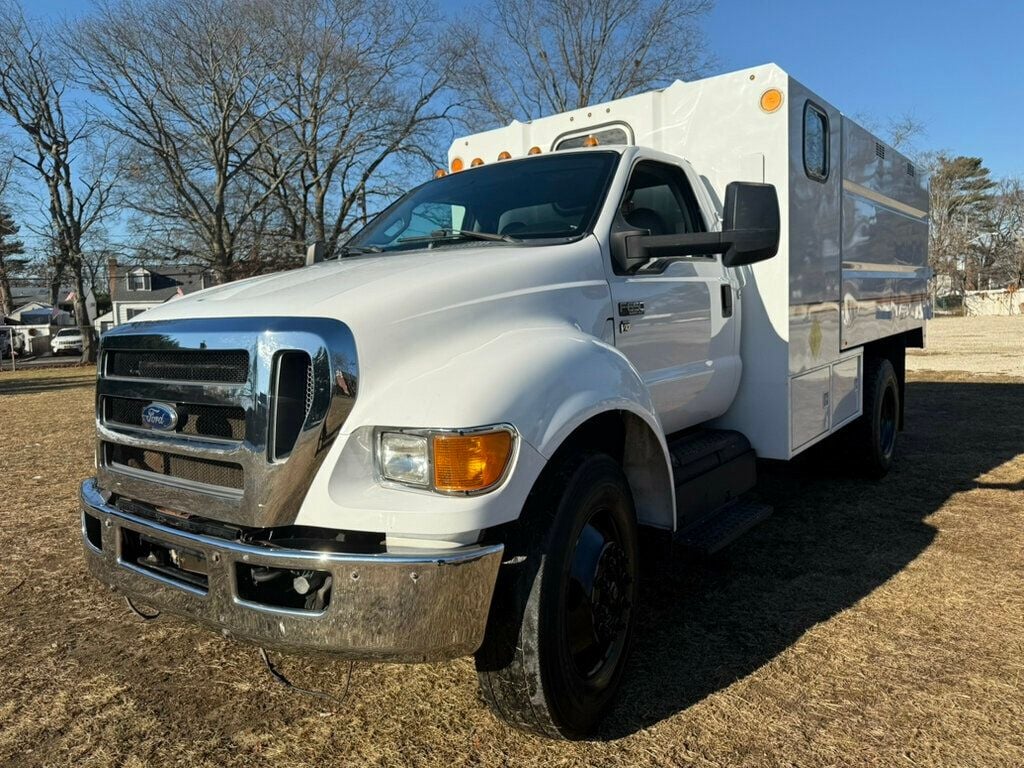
column 241, row 449
column 222, row 474
column 221, row 422
column 231, row 366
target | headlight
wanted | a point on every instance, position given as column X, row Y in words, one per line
column 404, row 458
column 447, row 461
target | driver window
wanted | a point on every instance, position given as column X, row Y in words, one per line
column 659, row 199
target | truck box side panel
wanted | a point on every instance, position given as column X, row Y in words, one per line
column 814, row 237
column 885, row 240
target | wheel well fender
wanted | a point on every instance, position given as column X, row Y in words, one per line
column 635, row 440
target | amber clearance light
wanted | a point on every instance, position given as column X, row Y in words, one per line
column 470, row 462
column 771, row 100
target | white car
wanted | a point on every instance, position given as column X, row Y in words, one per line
column 67, row 340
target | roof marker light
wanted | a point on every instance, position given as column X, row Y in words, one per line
column 504, row 155
column 476, row 161
column 457, row 164
column 534, row 151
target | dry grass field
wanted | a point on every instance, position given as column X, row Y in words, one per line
column 864, row 624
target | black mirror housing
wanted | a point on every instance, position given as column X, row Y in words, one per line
column 750, row 223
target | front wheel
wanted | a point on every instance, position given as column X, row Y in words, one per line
column 562, row 618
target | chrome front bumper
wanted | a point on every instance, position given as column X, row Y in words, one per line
column 388, row 607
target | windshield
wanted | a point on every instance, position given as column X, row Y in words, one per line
column 68, row 332
column 553, row 197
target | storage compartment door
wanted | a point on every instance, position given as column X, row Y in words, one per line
column 809, row 406
column 846, row 397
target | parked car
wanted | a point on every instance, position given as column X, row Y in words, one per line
column 67, row 340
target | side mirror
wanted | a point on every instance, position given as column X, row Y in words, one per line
column 750, row 233
column 750, row 223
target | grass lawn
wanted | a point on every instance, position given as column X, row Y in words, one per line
column 865, row 623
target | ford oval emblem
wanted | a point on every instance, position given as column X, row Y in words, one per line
column 160, row 416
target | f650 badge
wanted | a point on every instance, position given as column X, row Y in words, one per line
column 160, row 416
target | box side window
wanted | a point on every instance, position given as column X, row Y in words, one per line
column 815, row 142
column 604, row 136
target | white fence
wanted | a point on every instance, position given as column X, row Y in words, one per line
column 1005, row 301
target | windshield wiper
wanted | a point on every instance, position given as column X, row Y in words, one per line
column 452, row 234
column 346, row 250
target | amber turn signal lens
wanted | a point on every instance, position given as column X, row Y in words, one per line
column 534, row 151
column 457, row 165
column 504, row 155
column 771, row 100
column 476, row 161
column 470, row 462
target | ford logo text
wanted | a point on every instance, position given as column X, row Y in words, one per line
column 160, row 416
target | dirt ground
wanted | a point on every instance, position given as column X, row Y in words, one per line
column 864, row 624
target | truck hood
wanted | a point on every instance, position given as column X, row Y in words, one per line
column 410, row 312
column 394, row 288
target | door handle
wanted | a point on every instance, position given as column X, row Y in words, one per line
column 726, row 300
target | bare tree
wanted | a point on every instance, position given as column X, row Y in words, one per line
column 33, row 94
column 537, row 57
column 361, row 84
column 189, row 86
column 1002, row 246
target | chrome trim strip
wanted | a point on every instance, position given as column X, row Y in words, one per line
column 884, row 200
column 866, row 266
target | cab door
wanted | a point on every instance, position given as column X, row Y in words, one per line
column 673, row 316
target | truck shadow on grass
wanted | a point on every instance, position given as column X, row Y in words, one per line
column 832, row 540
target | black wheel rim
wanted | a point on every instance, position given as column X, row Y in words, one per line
column 598, row 599
column 887, row 424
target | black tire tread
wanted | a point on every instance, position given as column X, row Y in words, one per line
column 505, row 684
column 877, row 373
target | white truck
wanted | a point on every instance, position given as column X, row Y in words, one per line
column 446, row 441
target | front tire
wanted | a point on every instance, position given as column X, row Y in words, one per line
column 561, row 621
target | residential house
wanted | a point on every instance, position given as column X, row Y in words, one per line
column 133, row 290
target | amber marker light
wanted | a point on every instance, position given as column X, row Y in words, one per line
column 504, row 155
column 771, row 100
column 534, row 151
column 465, row 463
column 440, row 173
column 477, row 161
column 457, row 164
column 590, row 141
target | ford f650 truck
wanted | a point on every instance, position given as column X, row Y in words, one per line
column 446, row 441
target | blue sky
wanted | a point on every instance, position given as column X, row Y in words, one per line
column 957, row 66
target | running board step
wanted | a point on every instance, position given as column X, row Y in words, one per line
column 720, row 529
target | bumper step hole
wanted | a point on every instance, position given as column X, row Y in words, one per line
column 93, row 530
column 292, row 589
column 170, row 561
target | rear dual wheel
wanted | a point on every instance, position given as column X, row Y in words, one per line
column 561, row 621
column 875, row 432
